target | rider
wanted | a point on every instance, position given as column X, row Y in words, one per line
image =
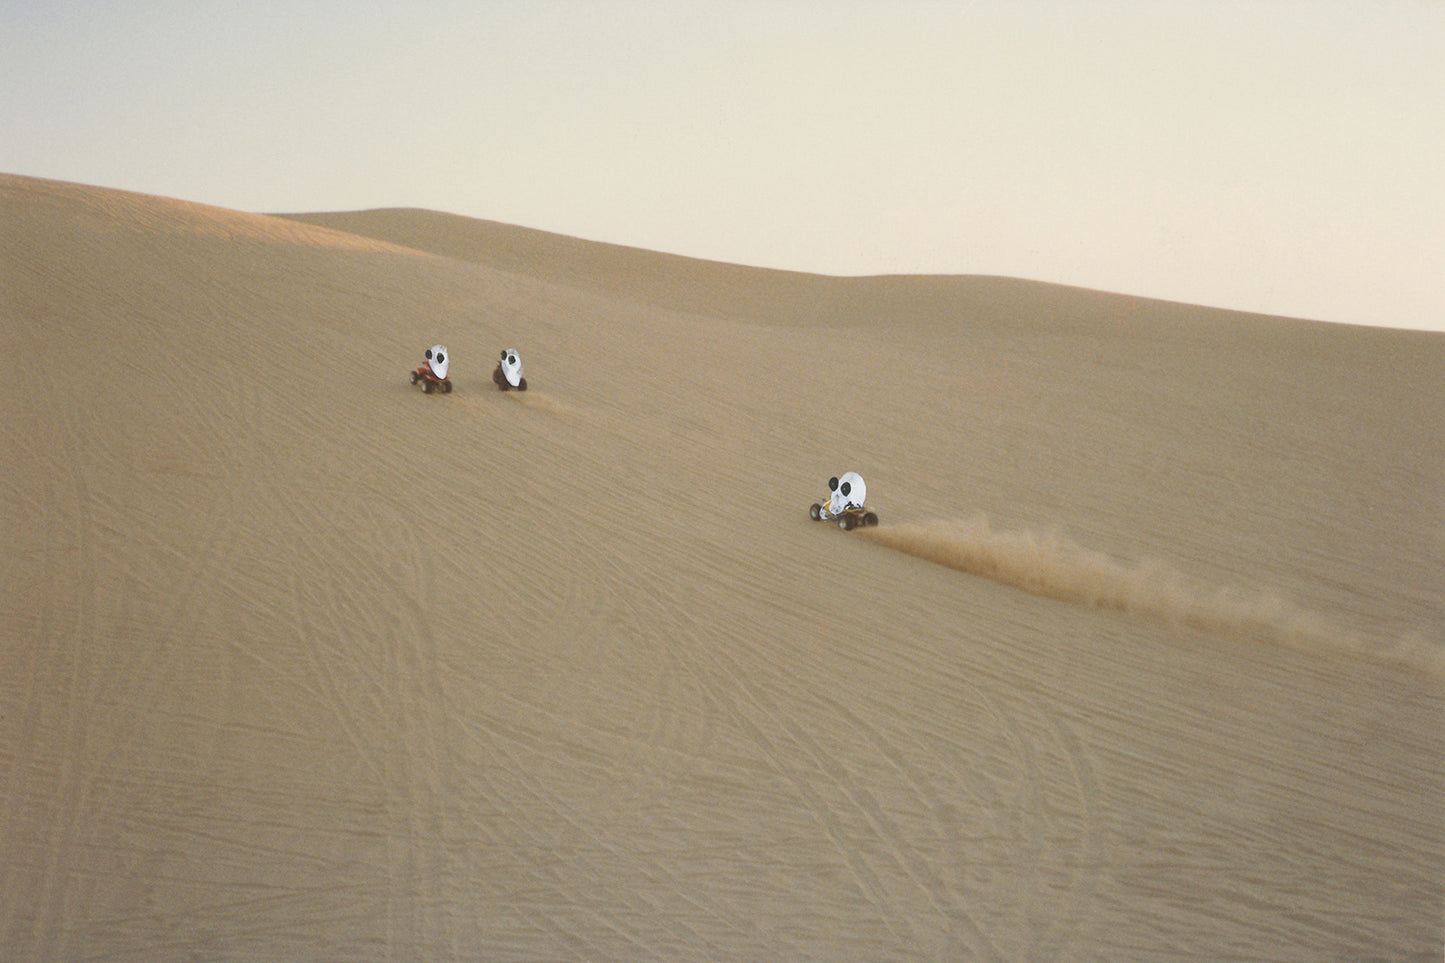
column 509, row 371
column 848, row 491
column 437, row 359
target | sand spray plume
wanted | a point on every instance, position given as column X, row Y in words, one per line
column 1052, row 566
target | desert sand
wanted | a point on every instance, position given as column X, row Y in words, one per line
column 299, row 663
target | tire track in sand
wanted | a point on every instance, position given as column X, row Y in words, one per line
column 1039, row 790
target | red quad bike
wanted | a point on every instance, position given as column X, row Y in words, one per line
column 432, row 376
column 430, row 382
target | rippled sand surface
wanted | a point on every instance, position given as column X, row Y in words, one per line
column 297, row 662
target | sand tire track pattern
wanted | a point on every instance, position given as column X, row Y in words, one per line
column 300, row 663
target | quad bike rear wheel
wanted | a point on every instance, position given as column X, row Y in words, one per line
column 845, row 522
column 446, row 387
column 870, row 519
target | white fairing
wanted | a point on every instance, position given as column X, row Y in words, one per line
column 512, row 367
column 438, row 358
column 850, row 493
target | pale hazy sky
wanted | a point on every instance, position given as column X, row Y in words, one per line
column 1285, row 157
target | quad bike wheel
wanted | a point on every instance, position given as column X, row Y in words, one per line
column 521, row 384
column 845, row 522
column 816, row 512
column 425, row 387
column 413, row 377
column 446, row 387
column 870, row 519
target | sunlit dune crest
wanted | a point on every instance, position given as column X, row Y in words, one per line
column 93, row 206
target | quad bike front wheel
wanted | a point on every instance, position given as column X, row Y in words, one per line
column 446, row 387
column 816, row 512
column 845, row 522
column 413, row 377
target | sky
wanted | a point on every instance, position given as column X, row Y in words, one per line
column 1271, row 156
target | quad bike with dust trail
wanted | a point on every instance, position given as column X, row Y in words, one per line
column 845, row 504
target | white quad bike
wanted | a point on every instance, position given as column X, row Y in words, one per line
column 845, row 504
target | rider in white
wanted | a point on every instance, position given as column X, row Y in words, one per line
column 848, row 491
column 510, row 368
column 437, row 358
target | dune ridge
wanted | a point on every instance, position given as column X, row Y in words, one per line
column 978, row 303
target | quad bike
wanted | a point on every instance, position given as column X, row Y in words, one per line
column 432, row 376
column 845, row 503
column 848, row 519
column 500, row 378
column 508, row 373
column 429, row 382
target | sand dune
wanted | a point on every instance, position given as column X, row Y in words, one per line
column 300, row 663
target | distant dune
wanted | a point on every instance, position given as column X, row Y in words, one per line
column 1144, row 661
column 784, row 297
